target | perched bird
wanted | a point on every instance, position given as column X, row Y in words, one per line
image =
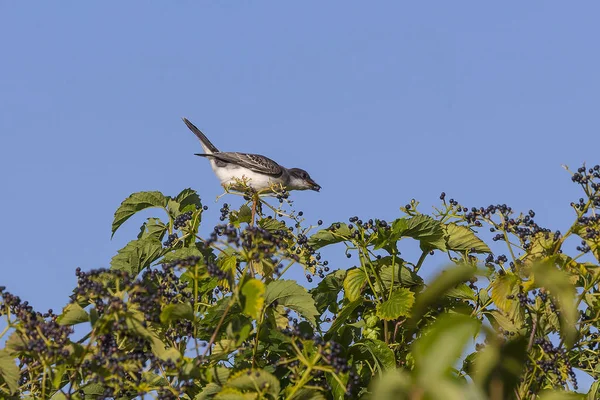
column 260, row 172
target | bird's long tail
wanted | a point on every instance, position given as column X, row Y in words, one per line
column 209, row 148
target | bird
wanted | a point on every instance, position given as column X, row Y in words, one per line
column 259, row 172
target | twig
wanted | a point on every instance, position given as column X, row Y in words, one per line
column 214, row 335
column 532, row 336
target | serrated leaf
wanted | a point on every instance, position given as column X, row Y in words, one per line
column 326, row 292
column 153, row 227
column 441, row 344
column 396, row 268
column 426, row 230
column 135, row 203
column 375, row 350
column 174, row 312
column 331, row 235
column 254, row 293
column 15, row 343
column 503, row 321
column 137, row 255
column 462, row 291
column 289, row 294
column 398, row 305
column 271, row 224
column 188, row 200
column 253, row 379
column 353, row 283
column 462, row 239
column 9, row 371
column 73, row 314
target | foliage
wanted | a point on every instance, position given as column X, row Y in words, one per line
column 181, row 316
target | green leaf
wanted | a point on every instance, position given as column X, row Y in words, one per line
column 153, row 227
column 503, row 321
column 234, row 394
column 308, row 394
column 188, row 200
column 376, row 350
column 501, row 363
column 394, row 385
column 289, row 294
column 439, row 287
column 15, row 343
column 396, row 268
column 73, row 314
column 594, row 392
column 462, row 239
column 560, row 395
column 354, row 282
column 180, row 254
column 254, row 293
column 398, row 305
column 174, row 312
column 443, row 342
column 271, row 224
column 425, row 229
column 137, row 255
column 9, row 371
column 331, row 235
column 326, row 292
column 137, row 202
column 342, row 317
column 244, row 215
column 504, row 291
column 557, row 282
column 253, row 379
column 462, row 291
column 208, row 391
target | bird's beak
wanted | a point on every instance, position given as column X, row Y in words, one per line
column 313, row 185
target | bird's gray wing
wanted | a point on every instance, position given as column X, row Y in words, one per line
column 253, row 162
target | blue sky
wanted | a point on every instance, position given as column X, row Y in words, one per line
column 381, row 104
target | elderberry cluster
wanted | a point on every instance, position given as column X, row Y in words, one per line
column 550, row 364
column 170, row 240
column 38, row 334
column 583, row 177
column 182, row 220
column 224, row 212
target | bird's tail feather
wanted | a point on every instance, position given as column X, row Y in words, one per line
column 206, row 144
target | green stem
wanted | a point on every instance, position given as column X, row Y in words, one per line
column 421, row 260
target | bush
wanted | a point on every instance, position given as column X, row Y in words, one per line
column 180, row 316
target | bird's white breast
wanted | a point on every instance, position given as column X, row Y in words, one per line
column 230, row 175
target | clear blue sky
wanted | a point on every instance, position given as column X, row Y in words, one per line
column 381, row 103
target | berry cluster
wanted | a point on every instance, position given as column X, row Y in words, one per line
column 224, row 212
column 182, row 220
column 554, row 358
column 332, row 353
column 170, row 240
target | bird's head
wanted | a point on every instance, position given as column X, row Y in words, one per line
column 301, row 180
